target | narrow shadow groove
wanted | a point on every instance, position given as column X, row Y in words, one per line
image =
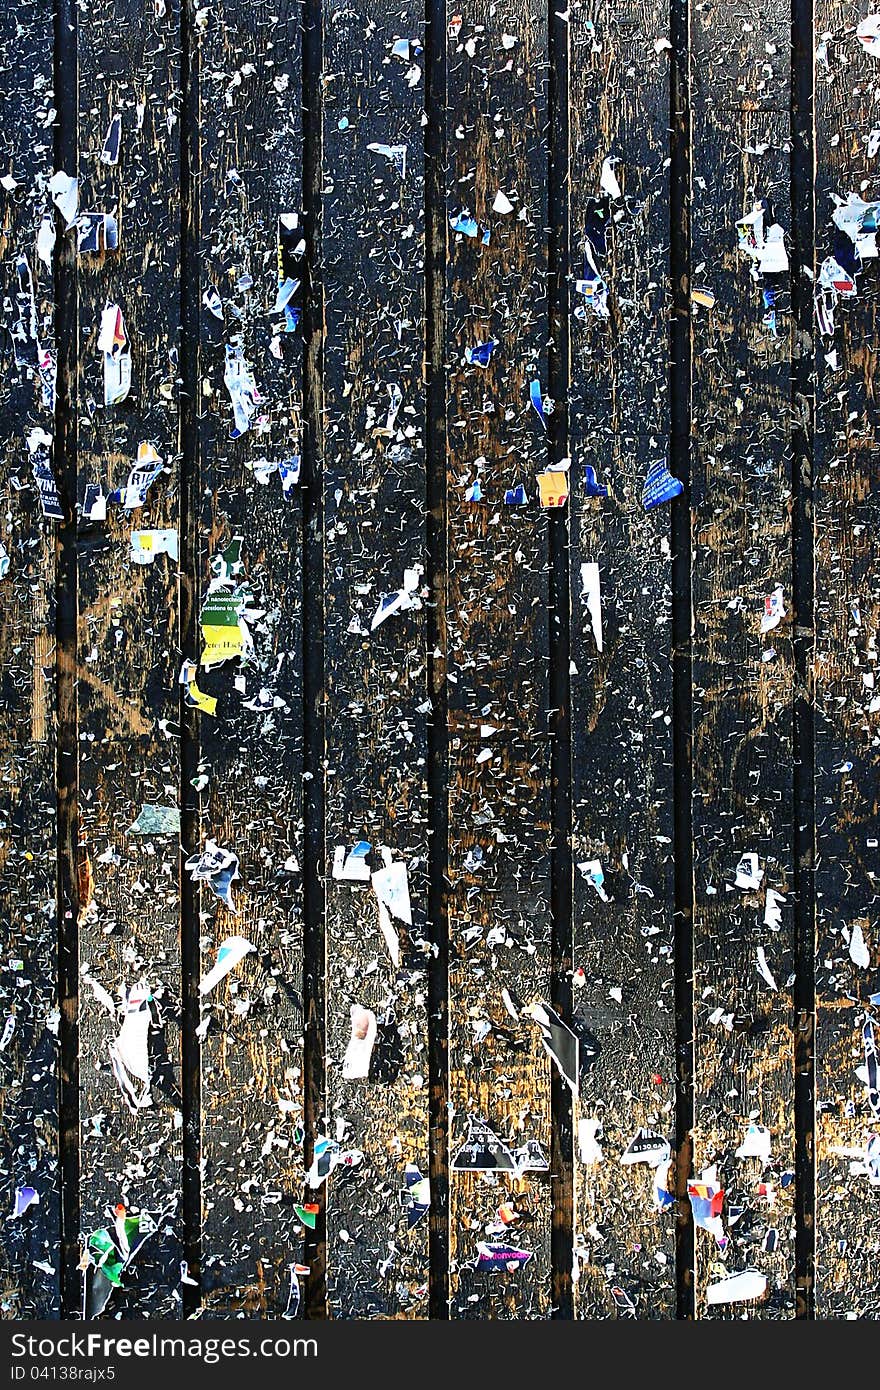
column 314, row 962
column 562, row 1157
column 682, row 626
column 64, row 460
column 803, row 403
column 188, row 596
column 438, row 817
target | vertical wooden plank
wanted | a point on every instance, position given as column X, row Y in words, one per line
column 847, row 469
column 128, row 654
column 250, row 133
column 497, row 647
column 373, row 258
column 29, row 1249
column 743, row 675
column 621, row 677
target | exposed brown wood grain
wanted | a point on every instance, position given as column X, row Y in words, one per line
column 622, row 695
column 375, row 682
column 29, row 1248
column 497, row 645
column 452, row 719
column 249, row 174
column 742, row 757
column 846, row 698
column 127, row 636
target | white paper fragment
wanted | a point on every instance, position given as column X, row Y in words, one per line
column 129, row 1052
column 773, row 904
column 868, row 34
column 774, row 610
column 64, row 191
column 592, row 871
column 756, row 1143
column 591, row 593
column 608, row 179
column 764, row 969
column 46, row 241
column 589, row 1149
column 352, row 866
column 146, row 545
column 738, row 1288
column 400, row 600
column 356, row 1063
column 391, row 887
column 231, row 952
column 858, row 949
column 502, row 203
column 749, row 873
column 395, row 154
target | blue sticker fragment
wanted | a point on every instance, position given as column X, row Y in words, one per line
column 481, row 355
column 516, row 496
column 474, row 492
column 660, row 486
column 592, row 486
column 537, row 400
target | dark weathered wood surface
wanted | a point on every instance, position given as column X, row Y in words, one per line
column 127, row 646
column 373, row 257
column 29, row 1019
column 621, row 691
column 508, row 723
column 742, row 680
column 497, row 645
column 250, row 759
column 846, row 697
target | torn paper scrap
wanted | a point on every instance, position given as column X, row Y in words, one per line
column 552, row 487
column 218, row 868
column 749, row 873
column 647, row 1146
column 483, row 1152
column 239, row 382
column 25, row 1198
column 356, row 1063
column 774, row 610
column 592, row 871
column 328, row 1154
column 494, row 1256
column 764, row 969
column 194, row 697
column 352, row 866
column 868, row 34
column 146, row 545
column 738, row 1288
column 113, row 343
column 38, row 444
column 756, row 1143
column 143, row 473
column 589, row 1149
column 231, row 953
column 416, row 1196
column 560, row 1043
column 591, row 593
column 156, row 820
column 64, row 192
column 395, row 154
column 401, row 600
column 129, row 1052
column 391, row 886
column 659, row 486
column 707, row 1204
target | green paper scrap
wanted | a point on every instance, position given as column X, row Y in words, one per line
column 156, row 820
